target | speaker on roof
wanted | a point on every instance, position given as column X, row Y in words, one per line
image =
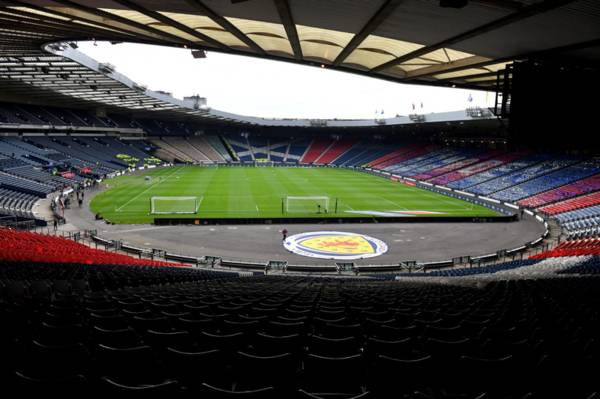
column 198, row 53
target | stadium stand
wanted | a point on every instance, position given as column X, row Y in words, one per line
column 297, row 148
column 538, row 266
column 372, row 152
column 578, row 214
column 399, row 155
column 203, row 145
column 163, row 153
column 15, row 148
column 590, row 266
column 414, row 165
column 259, row 148
column 361, row 154
column 183, row 146
column 334, row 151
column 17, row 204
column 411, row 152
column 45, row 115
column 177, row 330
column 346, row 158
column 316, row 148
column 22, row 246
column 17, row 183
column 41, row 176
column 278, row 149
column 549, row 181
column 172, row 152
column 581, row 224
column 522, row 175
column 571, row 204
column 577, row 188
column 496, row 172
column 432, row 174
column 240, row 147
column 455, row 179
column 388, row 157
column 216, row 143
column 462, row 158
column 471, row 271
column 581, row 247
column 112, row 148
column 93, row 151
column 75, row 155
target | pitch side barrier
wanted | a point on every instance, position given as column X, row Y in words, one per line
column 282, row 266
column 159, row 221
column 249, row 164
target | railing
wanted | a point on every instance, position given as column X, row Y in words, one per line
column 14, row 222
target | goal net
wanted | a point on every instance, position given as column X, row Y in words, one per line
column 263, row 162
column 174, row 205
column 307, row 205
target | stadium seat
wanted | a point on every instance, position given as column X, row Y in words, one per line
column 344, row 375
column 220, row 393
column 109, row 386
column 254, row 371
column 131, row 366
column 191, row 369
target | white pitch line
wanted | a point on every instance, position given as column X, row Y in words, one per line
column 152, row 186
column 448, row 201
column 143, row 229
column 393, row 203
column 200, row 202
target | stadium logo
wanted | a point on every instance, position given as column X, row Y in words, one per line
column 335, row 245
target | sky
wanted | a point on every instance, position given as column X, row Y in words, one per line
column 273, row 89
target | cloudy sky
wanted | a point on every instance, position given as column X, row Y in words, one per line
column 264, row 88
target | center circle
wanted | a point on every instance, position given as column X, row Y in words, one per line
column 335, row 245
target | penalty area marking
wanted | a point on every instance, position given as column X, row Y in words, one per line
column 152, row 186
column 393, row 203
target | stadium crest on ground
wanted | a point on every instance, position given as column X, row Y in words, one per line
column 335, row 245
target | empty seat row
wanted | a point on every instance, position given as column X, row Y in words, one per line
column 277, row 336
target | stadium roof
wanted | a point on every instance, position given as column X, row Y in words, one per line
column 414, row 41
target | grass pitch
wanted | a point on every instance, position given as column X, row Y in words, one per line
column 257, row 192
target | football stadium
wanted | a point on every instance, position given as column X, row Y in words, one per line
column 150, row 243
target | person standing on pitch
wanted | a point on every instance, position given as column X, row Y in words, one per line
column 284, row 233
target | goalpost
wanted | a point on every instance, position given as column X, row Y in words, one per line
column 174, row 205
column 307, row 205
column 263, row 162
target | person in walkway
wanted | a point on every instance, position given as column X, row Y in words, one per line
column 284, row 233
column 55, row 223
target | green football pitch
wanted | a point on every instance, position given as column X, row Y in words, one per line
column 269, row 192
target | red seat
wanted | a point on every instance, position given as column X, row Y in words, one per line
column 23, row 246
